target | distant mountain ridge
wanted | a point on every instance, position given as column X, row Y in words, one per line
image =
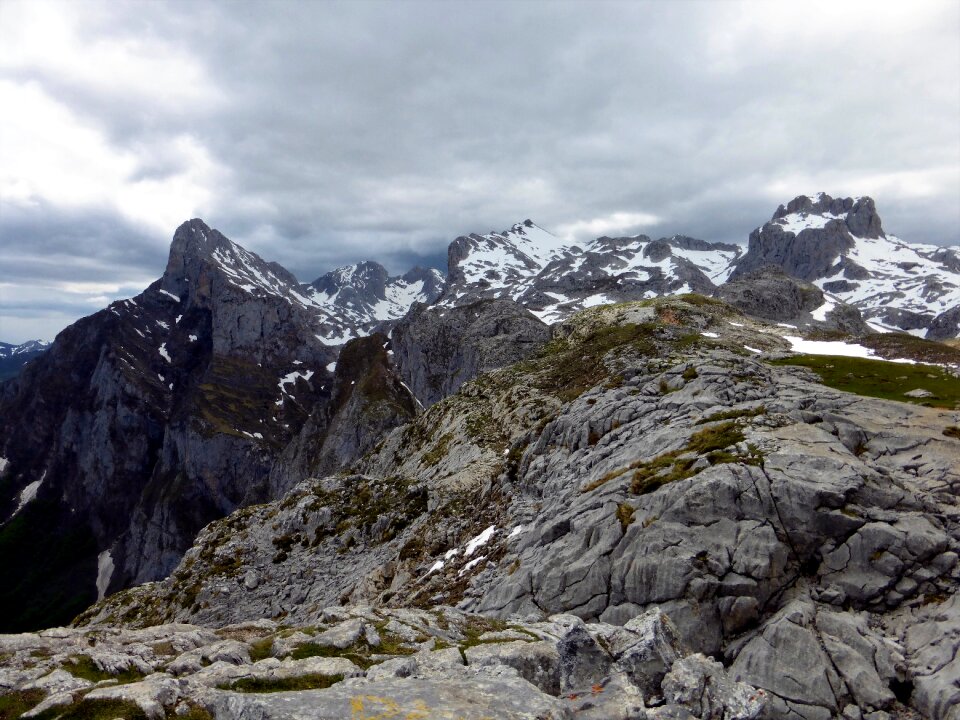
column 555, row 278
column 14, row 357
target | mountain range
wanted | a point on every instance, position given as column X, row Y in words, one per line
column 570, row 409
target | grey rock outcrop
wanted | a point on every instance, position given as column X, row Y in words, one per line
column 946, row 325
column 771, row 294
column 437, row 350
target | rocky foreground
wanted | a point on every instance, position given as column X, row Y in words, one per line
column 367, row 663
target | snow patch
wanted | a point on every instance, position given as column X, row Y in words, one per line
column 835, row 347
column 480, row 540
column 3, row 464
column 104, row 573
column 171, row 295
column 291, row 379
column 331, row 367
column 516, row 531
column 821, row 312
column 193, row 338
column 163, row 352
column 28, row 494
column 753, row 350
column 470, row 565
column 710, row 334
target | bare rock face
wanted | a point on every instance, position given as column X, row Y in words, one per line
column 367, row 400
column 439, row 349
column 771, row 294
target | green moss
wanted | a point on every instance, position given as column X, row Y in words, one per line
column 711, row 442
column 83, row 666
column 882, row 379
column 360, row 653
column 14, row 704
column 715, row 437
column 303, row 682
column 359, row 504
column 567, row 369
column 703, row 301
column 195, row 712
column 899, row 345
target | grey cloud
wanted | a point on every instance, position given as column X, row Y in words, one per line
column 384, row 130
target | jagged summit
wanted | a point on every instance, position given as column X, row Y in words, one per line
column 199, row 255
column 839, row 244
column 858, row 214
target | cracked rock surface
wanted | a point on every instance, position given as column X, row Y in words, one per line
column 805, row 538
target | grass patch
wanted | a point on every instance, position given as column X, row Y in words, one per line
column 261, row 649
column 568, row 369
column 360, row 653
column 625, row 515
column 15, row 704
column 263, row 685
column 711, row 442
column 882, row 379
column 95, row 710
column 898, row 345
column 83, row 666
column 734, row 414
column 612, row 475
column 439, row 450
column 952, row 431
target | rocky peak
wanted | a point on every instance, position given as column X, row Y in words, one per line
column 366, row 278
column 201, row 257
column 858, row 214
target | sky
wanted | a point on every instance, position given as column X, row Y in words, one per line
column 323, row 133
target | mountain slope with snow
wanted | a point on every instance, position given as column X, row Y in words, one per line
column 555, row 278
column 839, row 245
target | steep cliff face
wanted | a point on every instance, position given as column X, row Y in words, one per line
column 439, row 349
column 147, row 420
column 367, row 400
column 669, row 454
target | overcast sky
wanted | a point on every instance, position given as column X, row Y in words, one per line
column 322, row 133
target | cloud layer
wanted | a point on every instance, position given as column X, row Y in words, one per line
column 324, row 133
